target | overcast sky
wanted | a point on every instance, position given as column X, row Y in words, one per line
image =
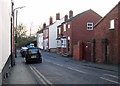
column 37, row 12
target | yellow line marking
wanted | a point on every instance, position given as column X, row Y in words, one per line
column 42, row 76
column 38, row 76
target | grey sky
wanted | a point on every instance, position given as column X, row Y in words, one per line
column 38, row 11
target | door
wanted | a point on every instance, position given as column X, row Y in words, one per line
column 87, row 52
column 68, row 45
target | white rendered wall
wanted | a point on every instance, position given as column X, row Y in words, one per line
column 0, row 36
column 5, row 31
column 53, row 33
column 40, row 40
column 45, row 44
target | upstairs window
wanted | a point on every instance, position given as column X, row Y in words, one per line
column 89, row 26
column 59, row 30
column 112, row 23
column 64, row 27
column 68, row 25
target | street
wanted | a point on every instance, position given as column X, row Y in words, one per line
column 59, row 70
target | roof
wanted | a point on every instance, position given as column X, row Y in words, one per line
column 106, row 14
column 41, row 31
column 51, row 24
column 77, row 16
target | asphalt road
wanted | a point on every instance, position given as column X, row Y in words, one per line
column 60, row 70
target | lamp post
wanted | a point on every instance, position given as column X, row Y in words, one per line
column 15, row 30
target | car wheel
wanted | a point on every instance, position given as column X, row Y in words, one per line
column 26, row 62
column 40, row 61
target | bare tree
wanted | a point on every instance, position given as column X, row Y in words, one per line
column 21, row 31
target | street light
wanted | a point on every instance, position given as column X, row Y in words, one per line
column 15, row 30
column 19, row 8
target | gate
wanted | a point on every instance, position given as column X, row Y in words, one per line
column 87, row 51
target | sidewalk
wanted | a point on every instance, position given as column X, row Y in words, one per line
column 19, row 74
column 101, row 66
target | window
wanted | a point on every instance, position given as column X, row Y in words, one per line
column 59, row 30
column 58, row 43
column 112, row 24
column 63, row 42
column 33, row 51
column 64, row 27
column 68, row 25
column 89, row 26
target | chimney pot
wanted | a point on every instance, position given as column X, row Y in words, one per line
column 58, row 16
column 70, row 13
column 44, row 25
column 51, row 20
column 66, row 17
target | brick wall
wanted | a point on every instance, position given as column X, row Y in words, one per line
column 107, row 50
column 78, row 51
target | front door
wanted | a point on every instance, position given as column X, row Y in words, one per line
column 68, row 45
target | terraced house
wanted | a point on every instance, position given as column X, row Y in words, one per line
column 76, row 29
column 107, row 38
column 50, row 34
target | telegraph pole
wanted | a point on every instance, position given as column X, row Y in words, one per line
column 12, row 34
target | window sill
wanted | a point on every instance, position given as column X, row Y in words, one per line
column 89, row 29
column 111, row 28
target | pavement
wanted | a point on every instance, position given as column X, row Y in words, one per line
column 19, row 74
column 108, row 67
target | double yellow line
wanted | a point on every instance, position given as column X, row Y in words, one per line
column 40, row 76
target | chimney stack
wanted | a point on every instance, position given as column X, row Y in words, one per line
column 70, row 13
column 51, row 20
column 66, row 17
column 58, row 16
column 44, row 25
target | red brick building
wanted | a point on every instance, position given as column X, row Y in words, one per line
column 107, row 37
column 76, row 28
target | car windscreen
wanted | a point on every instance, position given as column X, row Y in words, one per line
column 32, row 51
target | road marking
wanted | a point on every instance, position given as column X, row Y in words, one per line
column 110, row 80
column 42, row 76
column 38, row 76
column 76, row 70
column 67, row 67
column 111, row 75
column 58, row 64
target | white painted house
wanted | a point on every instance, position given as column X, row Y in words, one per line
column 5, row 37
column 53, row 33
column 40, row 39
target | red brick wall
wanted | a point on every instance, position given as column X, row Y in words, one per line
column 58, row 49
column 75, row 52
column 102, row 31
column 63, row 50
column 78, row 51
column 79, row 27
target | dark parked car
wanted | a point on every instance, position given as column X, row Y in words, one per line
column 23, row 51
column 33, row 54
